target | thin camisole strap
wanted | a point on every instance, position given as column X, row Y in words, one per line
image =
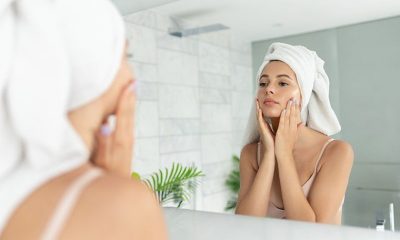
column 316, row 168
column 68, row 201
column 258, row 153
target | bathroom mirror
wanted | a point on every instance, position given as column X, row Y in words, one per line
column 196, row 61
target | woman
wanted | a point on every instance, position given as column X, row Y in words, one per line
column 63, row 72
column 290, row 167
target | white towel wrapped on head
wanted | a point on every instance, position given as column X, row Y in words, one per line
column 316, row 111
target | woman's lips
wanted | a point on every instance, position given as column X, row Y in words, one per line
column 269, row 102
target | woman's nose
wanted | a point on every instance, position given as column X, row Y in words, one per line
column 270, row 89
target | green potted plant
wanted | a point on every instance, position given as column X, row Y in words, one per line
column 233, row 184
column 175, row 185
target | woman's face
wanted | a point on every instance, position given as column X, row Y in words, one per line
column 276, row 86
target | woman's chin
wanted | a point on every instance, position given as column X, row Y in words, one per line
column 271, row 113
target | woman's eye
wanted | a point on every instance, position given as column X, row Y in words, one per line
column 283, row 84
column 261, row 84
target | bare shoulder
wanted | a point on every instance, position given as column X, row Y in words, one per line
column 136, row 202
column 116, row 206
column 120, row 196
column 118, row 189
column 339, row 152
column 248, row 155
column 340, row 148
column 249, row 148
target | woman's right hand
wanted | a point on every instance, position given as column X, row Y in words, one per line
column 266, row 134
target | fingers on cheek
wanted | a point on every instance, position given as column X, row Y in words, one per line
column 282, row 118
column 127, row 97
column 105, row 131
column 125, row 104
column 131, row 105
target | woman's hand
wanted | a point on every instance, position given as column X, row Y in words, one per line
column 114, row 150
column 266, row 134
column 287, row 132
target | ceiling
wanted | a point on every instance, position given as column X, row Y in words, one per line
column 131, row 6
column 252, row 20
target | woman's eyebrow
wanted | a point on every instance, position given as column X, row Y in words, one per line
column 278, row 76
column 285, row 76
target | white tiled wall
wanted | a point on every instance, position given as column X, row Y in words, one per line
column 194, row 96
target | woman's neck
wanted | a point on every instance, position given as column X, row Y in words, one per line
column 305, row 135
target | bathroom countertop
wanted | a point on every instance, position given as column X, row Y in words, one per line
column 195, row 225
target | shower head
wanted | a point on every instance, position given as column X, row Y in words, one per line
column 180, row 32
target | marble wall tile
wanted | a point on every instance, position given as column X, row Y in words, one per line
column 146, row 91
column 173, row 144
column 218, row 38
column 219, row 169
column 239, row 124
column 216, row 118
column 144, row 72
column 190, row 70
column 185, row 44
column 215, row 202
column 216, row 147
column 147, row 120
column 178, row 102
column 177, row 68
column 240, row 46
column 169, row 66
column 215, row 81
column 237, row 139
column 214, row 59
column 176, row 126
column 213, row 185
column 241, row 104
column 184, row 158
column 147, row 155
column 142, row 43
column 240, row 78
column 237, row 149
column 240, row 58
column 208, row 95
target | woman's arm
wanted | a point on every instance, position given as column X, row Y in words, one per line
column 328, row 188
column 294, row 200
column 296, row 205
column 256, row 181
column 255, row 185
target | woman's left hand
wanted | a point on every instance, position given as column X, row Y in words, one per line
column 287, row 132
column 114, row 150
